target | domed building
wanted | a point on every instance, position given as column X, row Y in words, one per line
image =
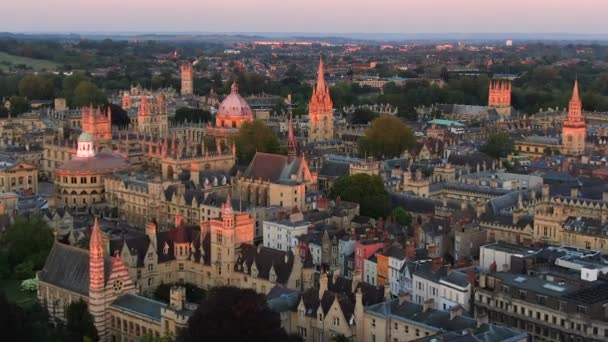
column 79, row 181
column 231, row 114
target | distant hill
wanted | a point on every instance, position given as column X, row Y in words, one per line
column 7, row 60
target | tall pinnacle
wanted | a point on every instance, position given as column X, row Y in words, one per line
column 95, row 240
column 321, row 75
column 575, row 96
column 291, row 141
column 575, row 106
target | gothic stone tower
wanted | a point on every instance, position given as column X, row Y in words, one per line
column 227, row 233
column 187, row 88
column 320, row 110
column 499, row 97
column 97, row 123
column 574, row 129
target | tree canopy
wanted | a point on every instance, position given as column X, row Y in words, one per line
column 233, row 314
column 79, row 323
column 387, row 137
column 36, row 87
column 27, row 243
column 87, row 93
column 402, row 216
column 498, row 145
column 19, row 105
column 366, row 190
column 362, row 116
column 254, row 137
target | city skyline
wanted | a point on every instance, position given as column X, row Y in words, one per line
column 314, row 16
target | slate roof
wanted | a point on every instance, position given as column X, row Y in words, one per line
column 272, row 167
column 334, row 168
column 414, row 312
column 140, row 306
column 471, row 159
column 265, row 259
column 67, row 267
column 341, row 290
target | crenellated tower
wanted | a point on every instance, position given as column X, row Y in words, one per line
column 97, row 122
column 320, row 110
column 187, row 79
column 574, row 129
column 499, row 96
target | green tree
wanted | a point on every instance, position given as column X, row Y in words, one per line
column 294, row 337
column 36, row 87
column 87, row 93
column 19, row 105
column 498, row 145
column 340, row 338
column 366, row 190
column 362, row 116
column 27, row 242
column 387, row 137
column 79, row 323
column 69, row 85
column 192, row 115
column 234, row 314
column 14, row 319
column 402, row 216
column 255, row 137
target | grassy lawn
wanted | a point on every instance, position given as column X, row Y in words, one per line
column 12, row 289
column 36, row 64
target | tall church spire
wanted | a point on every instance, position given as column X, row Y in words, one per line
column 320, row 110
column 321, row 76
column 96, row 258
column 291, row 141
column 574, row 129
column 96, row 281
column 575, row 107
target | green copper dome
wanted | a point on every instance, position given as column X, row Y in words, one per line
column 85, row 137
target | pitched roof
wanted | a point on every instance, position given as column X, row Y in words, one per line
column 265, row 259
column 67, row 267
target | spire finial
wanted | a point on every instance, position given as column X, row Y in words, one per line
column 234, row 89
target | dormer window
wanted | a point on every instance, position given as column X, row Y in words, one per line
column 166, row 249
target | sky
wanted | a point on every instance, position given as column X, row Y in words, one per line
column 314, row 16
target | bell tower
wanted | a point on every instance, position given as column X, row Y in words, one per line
column 499, row 96
column 574, row 129
column 187, row 88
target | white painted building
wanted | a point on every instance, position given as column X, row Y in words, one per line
column 500, row 253
column 370, row 273
column 454, row 289
column 446, row 289
column 346, row 247
column 396, row 260
column 282, row 235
